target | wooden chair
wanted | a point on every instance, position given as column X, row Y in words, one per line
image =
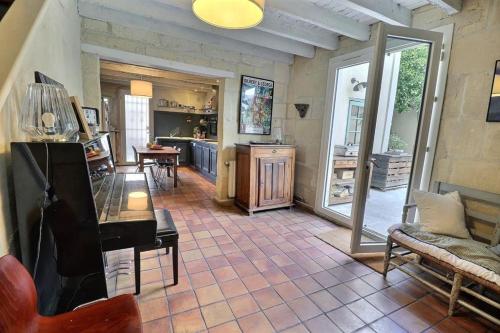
column 167, row 165
column 19, row 313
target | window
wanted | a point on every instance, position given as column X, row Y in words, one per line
column 354, row 121
column 136, row 124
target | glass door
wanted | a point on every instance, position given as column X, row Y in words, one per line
column 342, row 134
column 397, row 113
column 136, row 124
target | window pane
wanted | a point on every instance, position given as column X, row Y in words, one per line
column 136, row 124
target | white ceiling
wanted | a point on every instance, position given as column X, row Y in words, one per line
column 290, row 27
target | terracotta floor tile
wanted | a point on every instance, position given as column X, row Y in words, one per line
column 281, row 317
column 345, row 319
column 360, row 287
column 304, row 308
column 181, row 302
column 408, row 320
column 307, row 284
column 267, row 298
column 162, row 325
column 385, row 325
column 217, row 262
column 342, row 274
column 153, row 309
column 293, row 271
column 197, row 266
column 382, row 303
column 343, row 293
column 281, row 260
column 209, row 294
column 245, row 269
column 255, row 282
column 190, row 321
column 231, row 327
column 202, row 279
column 256, row 322
column 191, row 255
column 224, row 274
column 288, row 291
column 211, row 251
column 243, row 305
column 325, row 300
column 233, row 288
column 325, row 289
column 364, row 310
column 216, row 314
column 325, row 279
column 322, row 324
column 263, row 264
column 275, row 276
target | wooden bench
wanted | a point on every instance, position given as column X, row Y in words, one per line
column 166, row 237
column 483, row 221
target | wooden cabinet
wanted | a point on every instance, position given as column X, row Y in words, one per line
column 264, row 176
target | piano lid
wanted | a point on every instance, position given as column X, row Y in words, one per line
column 124, row 197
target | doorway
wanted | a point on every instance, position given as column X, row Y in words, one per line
column 136, row 125
column 375, row 136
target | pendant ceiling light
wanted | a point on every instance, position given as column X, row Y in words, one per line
column 141, row 88
column 230, row 14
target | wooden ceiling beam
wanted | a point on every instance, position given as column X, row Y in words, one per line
column 449, row 6
column 387, row 11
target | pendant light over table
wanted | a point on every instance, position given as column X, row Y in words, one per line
column 230, row 14
column 141, row 88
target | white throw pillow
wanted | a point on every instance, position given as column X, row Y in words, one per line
column 441, row 214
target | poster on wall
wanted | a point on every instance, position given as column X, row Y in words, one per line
column 494, row 107
column 256, row 105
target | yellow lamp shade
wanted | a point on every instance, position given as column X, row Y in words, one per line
column 141, row 88
column 496, row 86
column 230, row 14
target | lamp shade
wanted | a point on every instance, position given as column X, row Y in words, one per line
column 230, row 14
column 47, row 114
column 141, row 88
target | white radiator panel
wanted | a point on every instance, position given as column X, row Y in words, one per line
column 231, row 179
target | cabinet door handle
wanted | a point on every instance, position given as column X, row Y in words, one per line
column 274, row 151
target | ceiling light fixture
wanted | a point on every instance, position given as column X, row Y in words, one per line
column 141, row 88
column 230, row 14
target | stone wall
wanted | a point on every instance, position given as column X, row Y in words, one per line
column 468, row 151
column 38, row 44
column 165, row 46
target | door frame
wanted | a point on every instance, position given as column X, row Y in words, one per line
column 350, row 59
column 371, row 109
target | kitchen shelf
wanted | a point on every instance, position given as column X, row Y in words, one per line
column 183, row 110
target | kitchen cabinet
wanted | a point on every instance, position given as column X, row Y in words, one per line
column 264, row 176
column 205, row 158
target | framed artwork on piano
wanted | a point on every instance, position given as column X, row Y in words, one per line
column 84, row 131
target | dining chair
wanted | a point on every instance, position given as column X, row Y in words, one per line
column 166, row 166
column 148, row 163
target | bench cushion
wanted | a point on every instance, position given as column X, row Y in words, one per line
column 165, row 223
column 401, row 235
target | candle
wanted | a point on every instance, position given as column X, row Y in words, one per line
column 137, row 201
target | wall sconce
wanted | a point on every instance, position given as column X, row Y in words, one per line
column 302, row 109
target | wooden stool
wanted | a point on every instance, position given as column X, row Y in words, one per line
column 166, row 237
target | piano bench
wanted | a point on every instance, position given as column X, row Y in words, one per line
column 166, row 237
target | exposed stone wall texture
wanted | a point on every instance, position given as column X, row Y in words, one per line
column 165, row 46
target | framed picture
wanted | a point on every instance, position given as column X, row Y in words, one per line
column 84, row 131
column 92, row 115
column 256, row 106
column 494, row 107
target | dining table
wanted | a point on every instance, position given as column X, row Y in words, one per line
column 159, row 154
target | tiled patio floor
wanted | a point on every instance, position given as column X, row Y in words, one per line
column 269, row 273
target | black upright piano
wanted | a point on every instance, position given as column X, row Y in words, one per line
column 88, row 209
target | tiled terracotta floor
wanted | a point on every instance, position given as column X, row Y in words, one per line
column 269, row 273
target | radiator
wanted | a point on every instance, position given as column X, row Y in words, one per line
column 231, row 179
